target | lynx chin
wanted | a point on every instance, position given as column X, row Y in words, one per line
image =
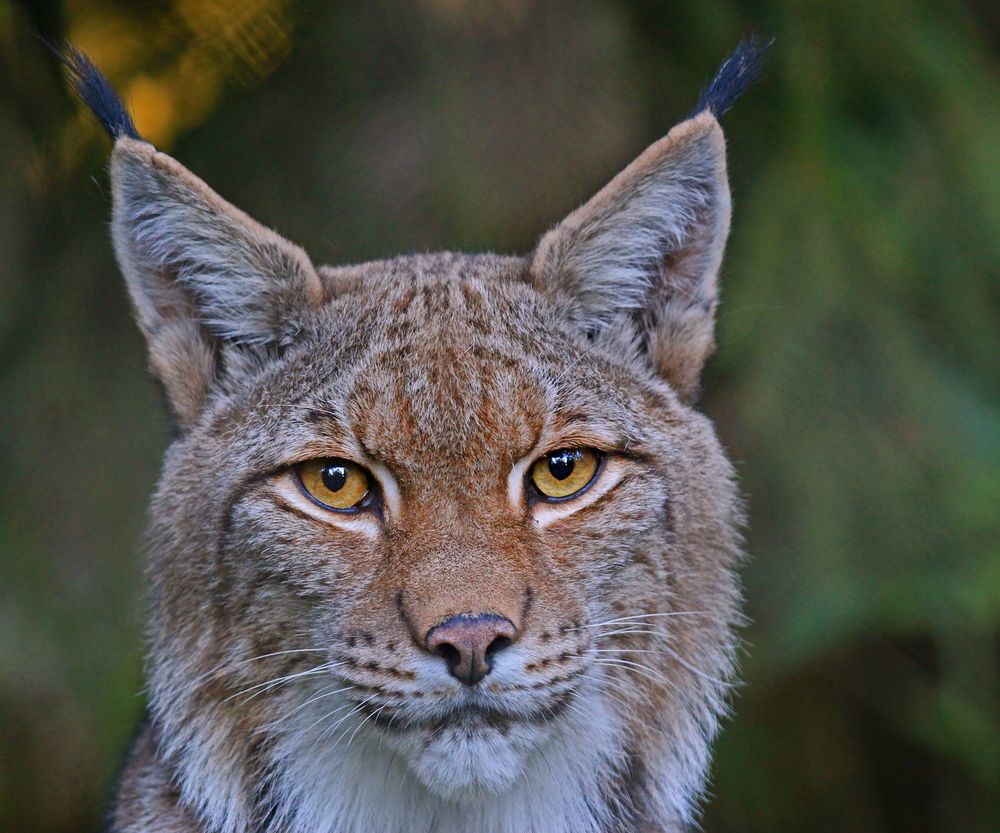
column 442, row 544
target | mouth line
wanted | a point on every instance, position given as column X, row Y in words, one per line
column 387, row 717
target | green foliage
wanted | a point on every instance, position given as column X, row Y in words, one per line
column 857, row 384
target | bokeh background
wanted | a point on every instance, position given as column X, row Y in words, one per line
column 857, row 383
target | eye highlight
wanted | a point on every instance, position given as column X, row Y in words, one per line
column 335, row 484
column 564, row 473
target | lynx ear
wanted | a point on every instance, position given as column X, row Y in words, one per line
column 176, row 238
column 203, row 276
column 213, row 289
column 650, row 243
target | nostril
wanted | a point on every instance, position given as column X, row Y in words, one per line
column 449, row 653
column 498, row 645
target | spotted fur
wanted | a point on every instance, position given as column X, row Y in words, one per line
column 290, row 686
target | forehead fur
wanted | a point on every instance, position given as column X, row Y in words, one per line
column 422, row 359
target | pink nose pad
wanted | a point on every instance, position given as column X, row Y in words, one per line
column 468, row 643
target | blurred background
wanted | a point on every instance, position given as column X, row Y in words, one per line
column 857, row 383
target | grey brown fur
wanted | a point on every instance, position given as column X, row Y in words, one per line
column 291, row 688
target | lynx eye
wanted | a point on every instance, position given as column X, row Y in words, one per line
column 563, row 473
column 334, row 483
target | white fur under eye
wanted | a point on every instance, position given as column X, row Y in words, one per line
column 515, row 480
column 388, row 486
column 608, row 476
column 290, row 492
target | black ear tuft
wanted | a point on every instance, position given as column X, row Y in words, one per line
column 96, row 92
column 737, row 73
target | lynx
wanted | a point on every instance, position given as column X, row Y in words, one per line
column 442, row 544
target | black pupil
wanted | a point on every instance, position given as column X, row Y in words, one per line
column 562, row 463
column 334, row 477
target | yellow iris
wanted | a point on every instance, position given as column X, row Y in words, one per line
column 334, row 483
column 563, row 473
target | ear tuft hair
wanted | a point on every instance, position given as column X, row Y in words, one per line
column 96, row 92
column 737, row 73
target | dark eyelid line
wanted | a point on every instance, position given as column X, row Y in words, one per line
column 370, row 496
column 615, row 448
column 599, row 502
column 288, row 507
column 538, row 497
column 306, row 455
column 263, row 477
column 636, row 456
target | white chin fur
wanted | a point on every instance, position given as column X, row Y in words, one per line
column 528, row 778
column 468, row 758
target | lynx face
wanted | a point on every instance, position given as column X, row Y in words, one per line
column 442, row 544
column 447, row 402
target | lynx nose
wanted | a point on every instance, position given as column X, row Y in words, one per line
column 468, row 643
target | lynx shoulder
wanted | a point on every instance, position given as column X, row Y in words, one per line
column 442, row 544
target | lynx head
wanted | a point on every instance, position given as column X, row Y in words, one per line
column 441, row 543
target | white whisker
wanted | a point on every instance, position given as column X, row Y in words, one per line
column 620, row 686
column 368, row 717
column 626, row 631
column 641, row 616
column 325, row 716
column 279, row 681
column 324, row 693
column 347, row 716
column 664, row 652
column 243, row 662
column 640, row 669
